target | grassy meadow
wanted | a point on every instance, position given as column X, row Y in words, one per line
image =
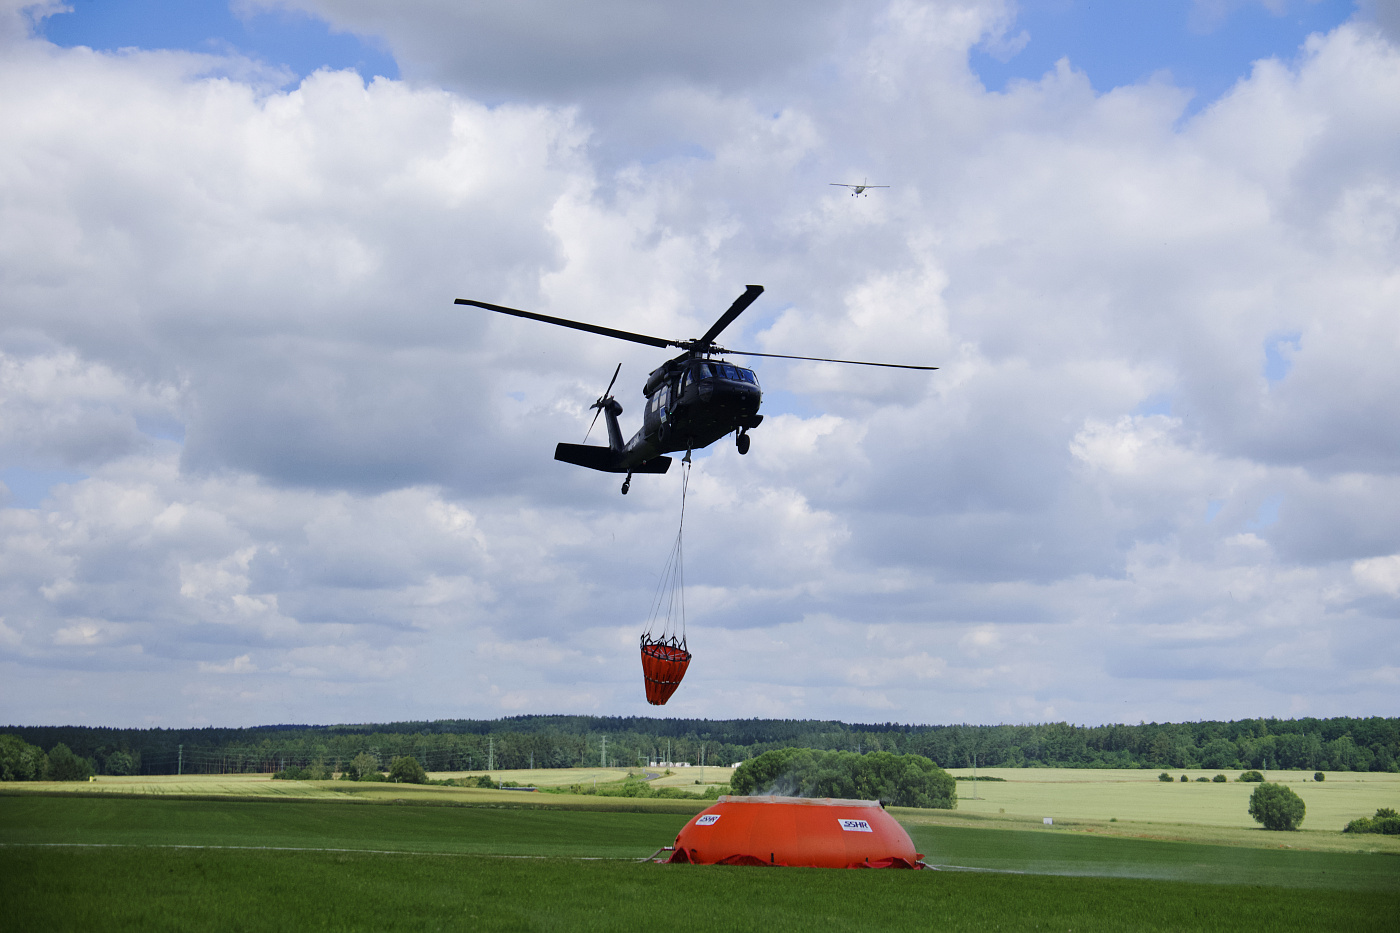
column 249, row 853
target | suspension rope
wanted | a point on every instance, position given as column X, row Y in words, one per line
column 670, row 588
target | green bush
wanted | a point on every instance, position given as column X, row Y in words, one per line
column 1219, row 779
column 406, row 770
column 1251, row 777
column 898, row 780
column 481, row 780
column 1202, row 780
column 1276, row 807
column 1184, row 779
column 1319, row 776
column 292, row 774
column 1385, row 821
column 1164, row 777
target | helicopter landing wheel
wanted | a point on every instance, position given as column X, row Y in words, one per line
column 742, row 442
column 627, row 484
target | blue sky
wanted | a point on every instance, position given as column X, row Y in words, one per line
column 278, row 37
column 1118, row 43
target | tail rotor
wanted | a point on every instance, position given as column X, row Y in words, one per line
column 602, row 401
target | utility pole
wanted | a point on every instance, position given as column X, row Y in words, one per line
column 974, row 776
column 180, row 766
column 490, row 753
column 605, row 747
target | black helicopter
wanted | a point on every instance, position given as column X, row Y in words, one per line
column 692, row 400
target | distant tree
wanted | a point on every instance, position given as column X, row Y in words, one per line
column 1184, row 779
column 1219, row 779
column 407, row 770
column 1219, row 753
column 361, row 765
column 1250, row 777
column 1276, row 807
column 66, row 766
column 1319, row 776
column 20, row 761
column 119, row 763
column 1164, row 777
column 899, row 780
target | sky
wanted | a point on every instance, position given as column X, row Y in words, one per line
column 258, row 468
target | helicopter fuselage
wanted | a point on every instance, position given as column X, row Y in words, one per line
column 691, row 403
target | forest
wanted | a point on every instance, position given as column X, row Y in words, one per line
column 1339, row 744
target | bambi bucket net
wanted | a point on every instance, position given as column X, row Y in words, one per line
column 663, row 665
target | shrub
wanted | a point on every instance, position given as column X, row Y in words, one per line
column 292, row 774
column 406, row 770
column 481, row 780
column 1251, row 777
column 1385, row 821
column 1219, row 779
column 1184, row 779
column 1164, row 777
column 1319, row 776
column 1276, row 807
column 1202, row 780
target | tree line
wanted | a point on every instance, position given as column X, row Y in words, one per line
column 1339, row 744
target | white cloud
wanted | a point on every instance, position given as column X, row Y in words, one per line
column 309, row 476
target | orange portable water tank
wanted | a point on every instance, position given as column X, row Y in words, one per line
column 817, row 832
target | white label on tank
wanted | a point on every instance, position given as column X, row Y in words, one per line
column 855, row 826
column 708, row 819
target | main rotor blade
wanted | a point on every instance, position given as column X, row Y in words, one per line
column 737, row 308
column 576, row 325
column 818, row 359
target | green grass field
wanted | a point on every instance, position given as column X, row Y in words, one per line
column 86, row 862
column 95, row 889
column 248, row 853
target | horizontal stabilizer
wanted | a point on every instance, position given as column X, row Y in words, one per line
column 595, row 458
column 606, row 459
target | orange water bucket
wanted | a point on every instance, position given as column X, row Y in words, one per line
column 664, row 662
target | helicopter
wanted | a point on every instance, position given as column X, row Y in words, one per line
column 692, row 400
column 859, row 189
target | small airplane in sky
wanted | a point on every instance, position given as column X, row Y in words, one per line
column 859, row 189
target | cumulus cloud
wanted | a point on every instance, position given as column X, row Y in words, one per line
column 301, row 480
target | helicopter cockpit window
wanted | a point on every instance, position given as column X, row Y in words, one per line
column 705, row 371
column 685, row 379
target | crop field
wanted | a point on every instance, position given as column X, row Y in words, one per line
column 1137, row 796
column 162, row 862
